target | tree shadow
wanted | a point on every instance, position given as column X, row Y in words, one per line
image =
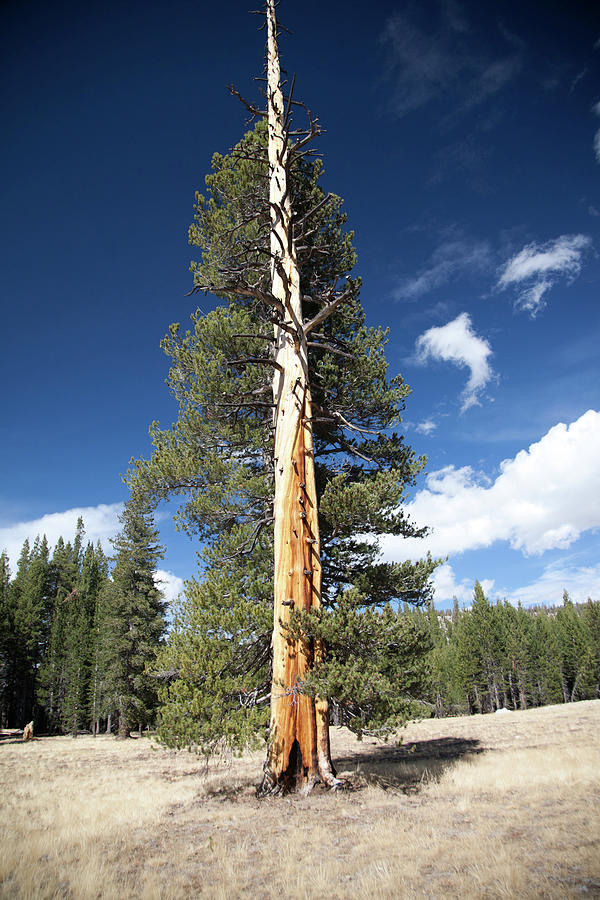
column 403, row 768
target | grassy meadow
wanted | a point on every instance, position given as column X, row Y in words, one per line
column 504, row 805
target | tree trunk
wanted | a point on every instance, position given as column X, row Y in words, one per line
column 299, row 753
column 109, row 724
column 123, row 730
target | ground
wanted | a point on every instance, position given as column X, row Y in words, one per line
column 504, row 805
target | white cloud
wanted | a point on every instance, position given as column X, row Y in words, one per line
column 427, row 427
column 541, row 265
column 169, row 583
column 101, row 523
column 456, row 342
column 580, row 581
column 437, row 56
column 543, row 499
column 446, row 587
column 446, row 262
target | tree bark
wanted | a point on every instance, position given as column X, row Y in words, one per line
column 299, row 753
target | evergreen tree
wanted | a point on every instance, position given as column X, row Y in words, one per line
column 517, row 626
column 59, row 669
column 6, row 640
column 575, row 651
column 344, row 469
column 135, row 619
column 26, row 614
column 590, row 615
column 80, row 639
column 100, row 587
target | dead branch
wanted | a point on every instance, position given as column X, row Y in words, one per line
column 328, row 309
column 259, row 360
column 256, row 113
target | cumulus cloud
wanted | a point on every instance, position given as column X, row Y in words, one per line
column 446, row 587
column 447, row 261
column 538, row 266
column 456, row 342
column 169, row 583
column 543, row 499
column 101, row 523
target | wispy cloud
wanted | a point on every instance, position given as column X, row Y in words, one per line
column 580, row 581
column 543, row 499
column 101, row 523
column 538, row 266
column 457, row 343
column 427, row 427
column 596, row 110
column 437, row 55
column 449, row 260
column 579, row 77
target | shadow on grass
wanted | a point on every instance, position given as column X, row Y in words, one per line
column 406, row 767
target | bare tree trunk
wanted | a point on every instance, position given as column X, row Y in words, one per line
column 299, row 753
column 123, row 729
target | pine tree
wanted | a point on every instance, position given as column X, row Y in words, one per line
column 99, row 591
column 487, row 637
column 546, row 663
column 575, row 650
column 80, row 639
column 59, row 669
column 590, row 615
column 135, row 619
column 6, row 640
column 26, row 613
column 285, row 454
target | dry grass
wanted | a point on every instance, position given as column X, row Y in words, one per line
column 487, row 806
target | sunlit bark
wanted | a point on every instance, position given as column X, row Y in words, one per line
column 299, row 753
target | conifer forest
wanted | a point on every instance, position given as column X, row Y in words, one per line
column 75, row 640
column 79, row 646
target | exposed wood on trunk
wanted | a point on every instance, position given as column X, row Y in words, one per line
column 299, row 753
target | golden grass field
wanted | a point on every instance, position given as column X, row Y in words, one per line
column 487, row 806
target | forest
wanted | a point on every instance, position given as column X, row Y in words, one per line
column 75, row 640
column 79, row 643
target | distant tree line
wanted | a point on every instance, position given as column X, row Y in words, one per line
column 78, row 643
column 495, row 655
column 75, row 639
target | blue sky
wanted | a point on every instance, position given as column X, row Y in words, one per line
column 465, row 140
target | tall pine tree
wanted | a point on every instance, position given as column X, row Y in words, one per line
column 285, row 454
column 134, row 620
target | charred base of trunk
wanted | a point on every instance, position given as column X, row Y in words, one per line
column 297, row 778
